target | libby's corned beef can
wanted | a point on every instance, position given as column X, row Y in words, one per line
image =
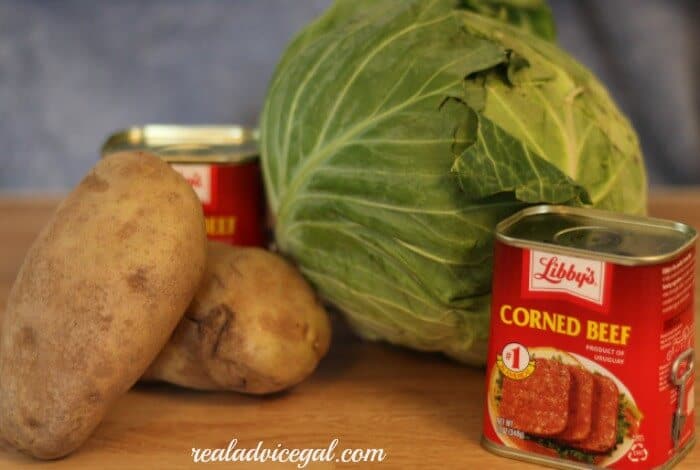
column 221, row 164
column 591, row 351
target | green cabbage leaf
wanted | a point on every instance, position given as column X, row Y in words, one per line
column 394, row 137
column 533, row 16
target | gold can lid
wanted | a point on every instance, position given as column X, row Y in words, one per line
column 188, row 144
column 591, row 233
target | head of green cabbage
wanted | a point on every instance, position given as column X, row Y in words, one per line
column 397, row 133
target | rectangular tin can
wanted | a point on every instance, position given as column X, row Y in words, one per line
column 591, row 359
column 221, row 164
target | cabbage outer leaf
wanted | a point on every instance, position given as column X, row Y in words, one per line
column 533, row 16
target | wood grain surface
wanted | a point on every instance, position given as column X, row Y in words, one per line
column 422, row 409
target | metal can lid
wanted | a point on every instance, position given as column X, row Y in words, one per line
column 591, row 233
column 188, row 144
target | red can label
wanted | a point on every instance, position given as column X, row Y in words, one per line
column 590, row 362
column 232, row 200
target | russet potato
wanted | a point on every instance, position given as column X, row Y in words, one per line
column 254, row 326
column 98, row 295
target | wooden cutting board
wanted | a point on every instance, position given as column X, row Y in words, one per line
column 422, row 409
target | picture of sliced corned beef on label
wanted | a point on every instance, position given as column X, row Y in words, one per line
column 603, row 434
column 538, row 404
column 563, row 408
column 580, row 405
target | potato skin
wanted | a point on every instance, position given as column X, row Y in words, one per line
column 254, row 326
column 97, row 297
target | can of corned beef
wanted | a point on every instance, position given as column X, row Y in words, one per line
column 591, row 359
column 221, row 164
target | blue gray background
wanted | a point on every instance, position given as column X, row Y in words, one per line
column 71, row 72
